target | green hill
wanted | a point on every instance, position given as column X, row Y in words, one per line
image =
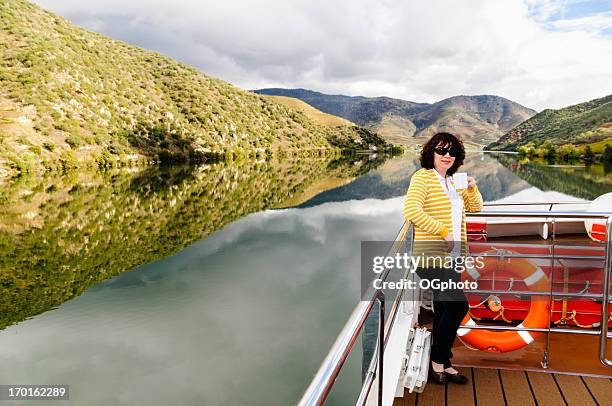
column 69, row 96
column 582, row 123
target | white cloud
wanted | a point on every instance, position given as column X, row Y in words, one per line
column 593, row 23
column 416, row 50
column 543, row 10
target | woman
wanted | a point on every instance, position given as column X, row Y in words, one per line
column 437, row 211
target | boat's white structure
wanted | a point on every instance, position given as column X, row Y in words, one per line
column 406, row 357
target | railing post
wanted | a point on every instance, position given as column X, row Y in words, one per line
column 551, row 300
column 376, row 363
column 381, row 347
column 322, row 382
column 605, row 304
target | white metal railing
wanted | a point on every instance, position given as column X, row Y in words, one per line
column 321, row 385
column 605, row 296
column 323, row 381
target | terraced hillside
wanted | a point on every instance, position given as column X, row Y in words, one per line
column 69, row 97
column 583, row 123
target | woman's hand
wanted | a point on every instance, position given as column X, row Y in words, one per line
column 450, row 242
column 471, row 183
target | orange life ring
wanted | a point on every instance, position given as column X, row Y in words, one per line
column 539, row 311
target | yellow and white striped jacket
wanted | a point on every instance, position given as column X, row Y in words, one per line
column 428, row 207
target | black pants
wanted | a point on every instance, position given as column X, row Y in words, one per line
column 450, row 307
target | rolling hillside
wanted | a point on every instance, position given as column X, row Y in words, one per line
column 583, row 123
column 478, row 119
column 316, row 115
column 69, row 97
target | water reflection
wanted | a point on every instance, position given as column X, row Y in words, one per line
column 60, row 235
column 243, row 316
column 392, row 178
column 498, row 175
column 584, row 181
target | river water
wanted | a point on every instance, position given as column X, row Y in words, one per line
column 216, row 285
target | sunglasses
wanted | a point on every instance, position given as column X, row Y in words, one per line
column 454, row 152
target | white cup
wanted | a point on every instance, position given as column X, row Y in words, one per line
column 460, row 179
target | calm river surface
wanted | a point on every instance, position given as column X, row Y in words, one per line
column 217, row 285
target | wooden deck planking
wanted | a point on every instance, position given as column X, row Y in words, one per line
column 601, row 389
column 516, row 388
column 488, row 387
column 461, row 395
column 563, row 356
column 433, row 395
column 499, row 387
column 545, row 389
column 574, row 390
column 409, row 399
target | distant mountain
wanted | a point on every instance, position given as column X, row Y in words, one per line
column 71, row 97
column 578, row 124
column 479, row 120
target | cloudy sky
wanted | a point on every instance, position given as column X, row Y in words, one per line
column 540, row 53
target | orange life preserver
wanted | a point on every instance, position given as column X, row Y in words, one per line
column 539, row 312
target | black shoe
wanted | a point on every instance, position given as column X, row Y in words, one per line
column 457, row 378
column 425, row 317
column 437, row 377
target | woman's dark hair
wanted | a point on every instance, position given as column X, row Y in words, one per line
column 444, row 139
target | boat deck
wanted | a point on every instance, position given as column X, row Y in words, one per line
column 499, row 387
column 575, row 376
